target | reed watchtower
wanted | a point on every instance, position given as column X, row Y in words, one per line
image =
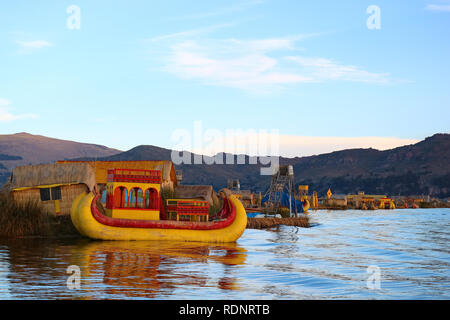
column 282, row 184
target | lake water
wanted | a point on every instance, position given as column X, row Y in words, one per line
column 382, row 254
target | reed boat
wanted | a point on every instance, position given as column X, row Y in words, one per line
column 135, row 211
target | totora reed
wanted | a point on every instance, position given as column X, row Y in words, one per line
column 261, row 223
column 28, row 219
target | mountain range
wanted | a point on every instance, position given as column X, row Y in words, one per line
column 24, row 149
column 421, row 168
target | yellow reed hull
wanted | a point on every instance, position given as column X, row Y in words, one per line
column 88, row 226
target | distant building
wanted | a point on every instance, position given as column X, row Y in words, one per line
column 339, row 200
column 374, row 200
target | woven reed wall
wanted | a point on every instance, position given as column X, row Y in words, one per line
column 68, row 195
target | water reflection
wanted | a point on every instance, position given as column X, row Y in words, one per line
column 119, row 269
column 147, row 269
column 327, row 261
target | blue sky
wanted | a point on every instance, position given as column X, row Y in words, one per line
column 136, row 71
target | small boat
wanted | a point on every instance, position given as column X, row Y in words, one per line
column 255, row 214
column 140, row 215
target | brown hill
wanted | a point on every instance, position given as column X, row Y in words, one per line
column 24, row 148
column 421, row 168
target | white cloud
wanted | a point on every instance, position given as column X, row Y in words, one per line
column 257, row 65
column 7, row 116
column 438, row 7
column 321, row 69
column 31, row 46
column 232, row 63
column 254, row 65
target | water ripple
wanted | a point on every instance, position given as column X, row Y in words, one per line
column 326, row 261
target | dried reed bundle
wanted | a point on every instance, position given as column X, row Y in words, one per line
column 261, row 223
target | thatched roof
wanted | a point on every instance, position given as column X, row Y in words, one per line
column 246, row 194
column 52, row 174
column 205, row 193
column 101, row 168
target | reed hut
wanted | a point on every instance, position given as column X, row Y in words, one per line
column 53, row 186
column 205, row 193
column 168, row 173
column 336, row 200
column 247, row 198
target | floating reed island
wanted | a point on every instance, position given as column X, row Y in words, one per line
column 37, row 201
column 19, row 220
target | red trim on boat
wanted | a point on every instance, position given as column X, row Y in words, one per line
column 228, row 211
